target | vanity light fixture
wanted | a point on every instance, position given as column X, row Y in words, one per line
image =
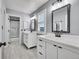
column 57, row 1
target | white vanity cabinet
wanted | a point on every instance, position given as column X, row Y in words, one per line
column 41, row 49
column 51, row 51
column 64, row 53
column 56, row 50
column 30, row 39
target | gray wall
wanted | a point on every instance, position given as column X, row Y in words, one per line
column 48, row 14
column 74, row 27
column 74, row 17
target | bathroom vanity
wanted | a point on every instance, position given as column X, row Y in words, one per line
column 30, row 39
column 64, row 47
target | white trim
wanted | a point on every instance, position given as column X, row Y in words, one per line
column 7, row 16
column 14, row 15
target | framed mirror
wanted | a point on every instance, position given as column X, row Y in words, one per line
column 61, row 19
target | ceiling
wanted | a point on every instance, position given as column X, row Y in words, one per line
column 26, row 6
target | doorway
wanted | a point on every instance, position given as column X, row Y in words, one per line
column 14, row 28
column 15, row 50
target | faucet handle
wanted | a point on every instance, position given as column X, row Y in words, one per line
column 57, row 34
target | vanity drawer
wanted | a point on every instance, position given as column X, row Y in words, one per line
column 41, row 55
column 41, row 43
column 41, row 49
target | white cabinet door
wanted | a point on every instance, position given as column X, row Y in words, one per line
column 51, row 51
column 67, row 54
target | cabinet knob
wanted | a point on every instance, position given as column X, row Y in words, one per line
column 40, row 40
column 54, row 45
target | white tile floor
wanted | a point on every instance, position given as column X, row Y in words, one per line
column 17, row 51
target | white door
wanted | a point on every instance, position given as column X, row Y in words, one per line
column 0, row 35
column 1, row 28
column 67, row 54
column 51, row 51
column 7, row 28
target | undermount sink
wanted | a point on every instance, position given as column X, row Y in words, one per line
column 50, row 35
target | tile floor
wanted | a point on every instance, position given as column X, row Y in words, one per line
column 17, row 51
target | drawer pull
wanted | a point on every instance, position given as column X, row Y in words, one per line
column 60, row 47
column 40, row 40
column 54, row 45
column 40, row 53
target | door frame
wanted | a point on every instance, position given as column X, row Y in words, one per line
column 7, row 17
column 17, row 23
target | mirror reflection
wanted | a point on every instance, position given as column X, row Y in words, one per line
column 61, row 19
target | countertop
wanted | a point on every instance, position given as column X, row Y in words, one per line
column 71, row 40
column 27, row 32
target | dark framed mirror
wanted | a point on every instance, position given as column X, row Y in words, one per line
column 61, row 19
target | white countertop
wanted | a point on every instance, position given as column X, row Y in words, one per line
column 71, row 40
column 27, row 32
